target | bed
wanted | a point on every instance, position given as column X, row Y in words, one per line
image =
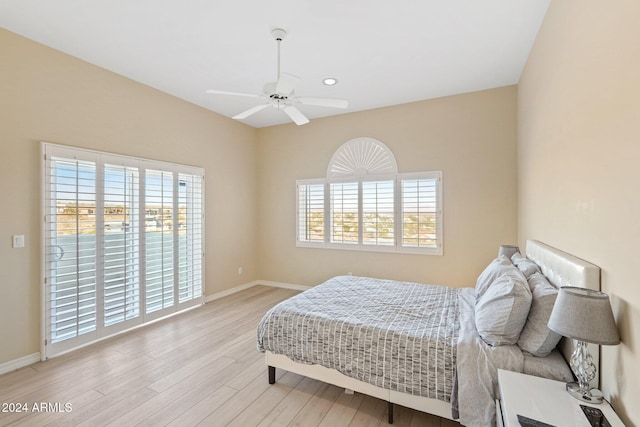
column 427, row 347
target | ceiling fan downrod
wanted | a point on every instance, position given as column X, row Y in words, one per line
column 279, row 34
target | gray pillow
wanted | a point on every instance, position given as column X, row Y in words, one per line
column 491, row 273
column 525, row 265
column 552, row 366
column 536, row 337
column 502, row 310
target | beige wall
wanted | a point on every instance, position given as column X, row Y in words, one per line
column 470, row 137
column 49, row 96
column 579, row 156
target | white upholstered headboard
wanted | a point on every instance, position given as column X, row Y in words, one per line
column 563, row 269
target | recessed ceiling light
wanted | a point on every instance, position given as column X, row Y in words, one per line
column 330, row 81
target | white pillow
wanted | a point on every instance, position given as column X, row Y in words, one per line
column 525, row 265
column 502, row 310
column 491, row 273
column 536, row 337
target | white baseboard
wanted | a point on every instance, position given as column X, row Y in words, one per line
column 21, row 362
column 283, row 285
column 228, row 292
column 239, row 288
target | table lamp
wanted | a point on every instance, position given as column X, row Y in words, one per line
column 508, row 250
column 584, row 315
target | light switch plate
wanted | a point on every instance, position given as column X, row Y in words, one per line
column 18, row 241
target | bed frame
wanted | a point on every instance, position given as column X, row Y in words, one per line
column 561, row 268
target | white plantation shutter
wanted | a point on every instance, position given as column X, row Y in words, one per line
column 378, row 213
column 310, row 212
column 344, row 212
column 159, row 268
column 421, row 211
column 70, row 248
column 122, row 243
column 190, row 232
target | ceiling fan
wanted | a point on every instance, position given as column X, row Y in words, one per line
column 281, row 93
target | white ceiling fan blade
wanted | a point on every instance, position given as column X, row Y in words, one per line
column 225, row 92
column 296, row 115
column 286, row 83
column 323, row 102
column 250, row 111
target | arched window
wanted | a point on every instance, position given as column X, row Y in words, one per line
column 362, row 156
column 365, row 204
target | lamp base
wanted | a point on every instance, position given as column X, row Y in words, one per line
column 593, row 395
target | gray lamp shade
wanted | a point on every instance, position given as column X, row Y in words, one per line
column 584, row 315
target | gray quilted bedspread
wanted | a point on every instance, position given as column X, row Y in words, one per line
column 395, row 335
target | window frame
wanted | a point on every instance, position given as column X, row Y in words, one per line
column 397, row 246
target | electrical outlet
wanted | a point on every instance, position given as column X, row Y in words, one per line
column 239, row 271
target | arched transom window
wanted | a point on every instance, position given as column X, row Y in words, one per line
column 362, row 156
column 365, row 204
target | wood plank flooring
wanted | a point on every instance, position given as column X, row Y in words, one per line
column 197, row 368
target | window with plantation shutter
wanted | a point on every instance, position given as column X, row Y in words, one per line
column 344, row 212
column 378, row 213
column 310, row 212
column 365, row 204
column 122, row 243
column 421, row 219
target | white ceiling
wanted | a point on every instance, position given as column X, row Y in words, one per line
column 382, row 52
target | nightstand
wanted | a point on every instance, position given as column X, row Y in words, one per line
column 543, row 400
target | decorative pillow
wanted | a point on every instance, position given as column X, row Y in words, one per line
column 536, row 337
column 490, row 273
column 502, row 310
column 525, row 265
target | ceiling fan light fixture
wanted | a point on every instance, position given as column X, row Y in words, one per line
column 330, row 81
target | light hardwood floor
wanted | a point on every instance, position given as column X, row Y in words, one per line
column 197, row 368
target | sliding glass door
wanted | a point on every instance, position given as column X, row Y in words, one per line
column 122, row 243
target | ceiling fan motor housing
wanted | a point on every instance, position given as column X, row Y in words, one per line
column 270, row 91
